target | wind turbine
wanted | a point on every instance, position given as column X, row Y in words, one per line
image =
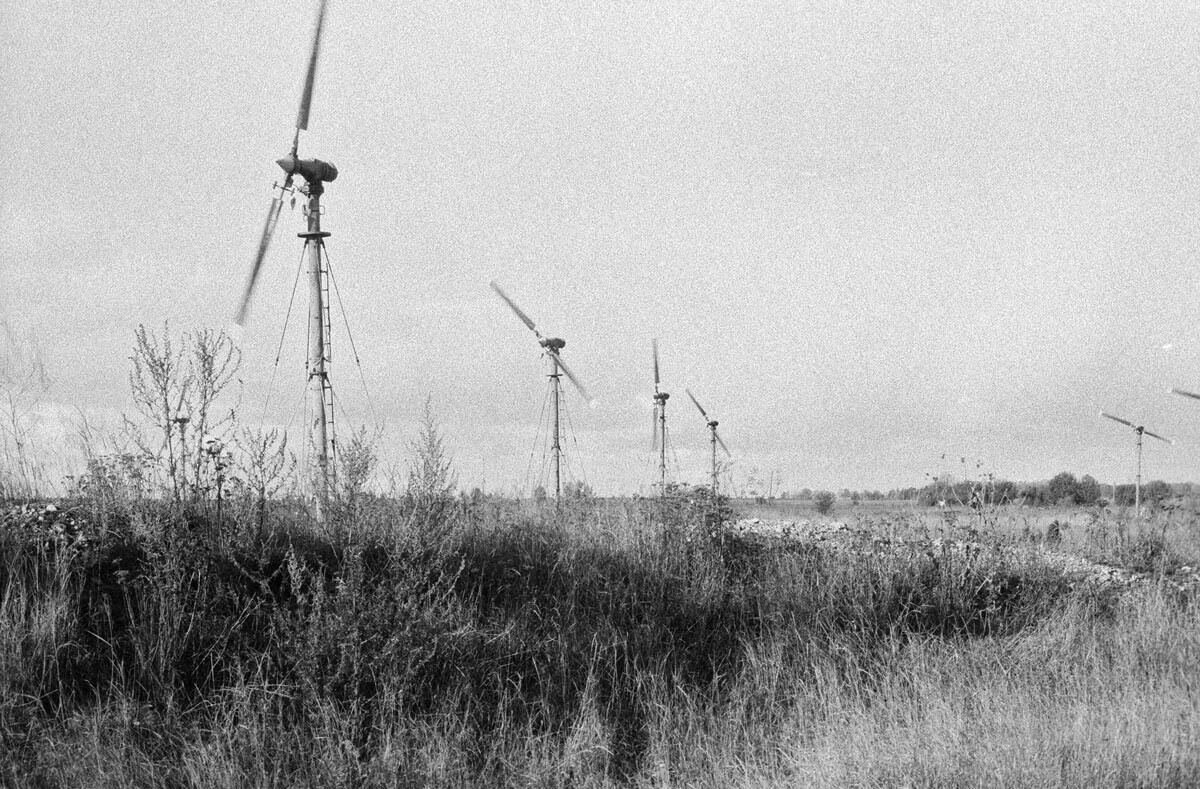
column 714, row 439
column 316, row 173
column 552, row 346
column 660, row 424
column 1140, row 429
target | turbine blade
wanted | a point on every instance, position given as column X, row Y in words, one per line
column 571, row 377
column 513, row 306
column 1118, row 419
column 1156, row 435
column 311, row 75
column 722, row 443
column 263, row 244
column 655, row 345
column 654, row 428
column 694, row 400
column 1192, row 395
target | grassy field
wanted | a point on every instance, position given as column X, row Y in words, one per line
column 609, row 643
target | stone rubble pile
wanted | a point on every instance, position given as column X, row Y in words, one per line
column 841, row 536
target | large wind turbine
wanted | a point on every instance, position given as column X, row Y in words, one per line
column 552, row 346
column 1140, row 430
column 316, row 173
column 714, row 439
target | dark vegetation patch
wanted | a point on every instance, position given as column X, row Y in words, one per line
column 511, row 624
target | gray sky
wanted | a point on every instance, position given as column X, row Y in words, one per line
column 865, row 238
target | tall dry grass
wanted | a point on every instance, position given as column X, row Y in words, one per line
column 614, row 643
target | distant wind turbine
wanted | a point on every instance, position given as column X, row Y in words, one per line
column 714, row 439
column 1140, row 430
column 552, row 347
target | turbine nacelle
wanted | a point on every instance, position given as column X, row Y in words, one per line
column 713, row 424
column 661, row 397
column 313, row 171
column 552, row 344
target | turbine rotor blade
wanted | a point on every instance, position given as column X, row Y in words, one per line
column 1156, row 435
column 1192, row 395
column 571, row 376
column 722, row 443
column 1118, row 419
column 264, row 243
column 655, row 345
column 310, row 76
column 513, row 306
column 694, row 400
column 654, row 428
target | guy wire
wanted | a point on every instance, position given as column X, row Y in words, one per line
column 283, row 333
column 350, row 336
column 533, row 448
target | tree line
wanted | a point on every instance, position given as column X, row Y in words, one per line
column 1062, row 489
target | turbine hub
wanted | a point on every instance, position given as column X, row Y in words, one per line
column 553, row 343
column 661, row 397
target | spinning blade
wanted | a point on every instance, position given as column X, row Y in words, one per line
column 1118, row 419
column 264, row 242
column 571, row 377
column 722, row 443
column 655, row 345
column 310, row 77
column 513, row 306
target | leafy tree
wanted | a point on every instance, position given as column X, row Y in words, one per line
column 1004, row 492
column 824, row 502
column 1156, row 490
column 1032, row 494
column 1063, row 489
column 1089, row 490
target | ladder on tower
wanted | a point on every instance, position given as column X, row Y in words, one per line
column 327, row 352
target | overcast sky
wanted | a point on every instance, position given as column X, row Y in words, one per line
column 865, row 238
